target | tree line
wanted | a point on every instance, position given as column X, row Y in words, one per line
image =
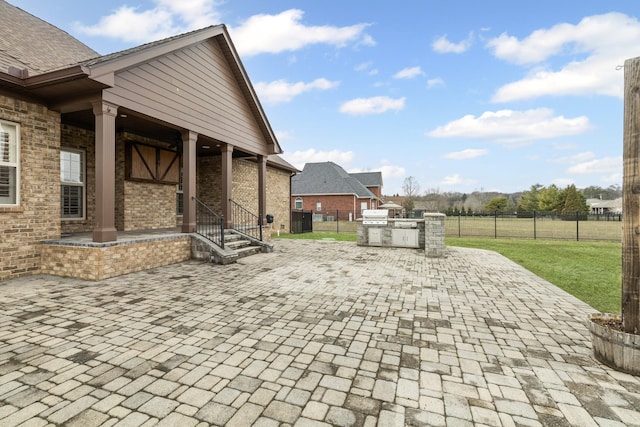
column 537, row 198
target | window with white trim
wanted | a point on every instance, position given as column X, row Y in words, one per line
column 9, row 163
column 72, row 183
column 298, row 203
column 318, row 206
column 179, row 197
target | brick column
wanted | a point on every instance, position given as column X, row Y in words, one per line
column 434, row 234
column 227, row 183
column 105, row 145
column 189, row 140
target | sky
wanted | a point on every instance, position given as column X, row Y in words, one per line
column 462, row 96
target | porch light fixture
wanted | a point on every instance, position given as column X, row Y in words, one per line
column 206, row 147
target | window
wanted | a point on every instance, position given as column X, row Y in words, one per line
column 179, row 197
column 72, row 181
column 299, row 203
column 9, row 161
column 318, row 206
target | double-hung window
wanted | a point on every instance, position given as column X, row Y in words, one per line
column 72, row 182
column 9, row 163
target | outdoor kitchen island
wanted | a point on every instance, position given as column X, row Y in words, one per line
column 375, row 228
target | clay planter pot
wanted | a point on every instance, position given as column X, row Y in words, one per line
column 616, row 349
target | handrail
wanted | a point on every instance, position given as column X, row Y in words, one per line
column 209, row 224
column 245, row 222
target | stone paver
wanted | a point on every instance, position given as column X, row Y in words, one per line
column 316, row 333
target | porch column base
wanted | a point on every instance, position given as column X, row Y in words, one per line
column 105, row 235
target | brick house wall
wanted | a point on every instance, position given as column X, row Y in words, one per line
column 332, row 205
column 245, row 188
column 38, row 215
column 278, row 196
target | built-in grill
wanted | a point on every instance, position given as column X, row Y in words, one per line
column 375, row 216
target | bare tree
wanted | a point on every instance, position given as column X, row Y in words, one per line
column 411, row 188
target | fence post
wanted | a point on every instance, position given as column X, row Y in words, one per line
column 495, row 224
column 459, row 215
column 534, row 225
column 577, row 226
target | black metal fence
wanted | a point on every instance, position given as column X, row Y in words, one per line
column 536, row 225
column 521, row 225
column 245, row 221
column 301, row 222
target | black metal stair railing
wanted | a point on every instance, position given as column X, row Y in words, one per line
column 245, row 222
column 209, row 224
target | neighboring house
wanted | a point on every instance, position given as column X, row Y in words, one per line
column 603, row 207
column 327, row 188
column 121, row 142
column 371, row 180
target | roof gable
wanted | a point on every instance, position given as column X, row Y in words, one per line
column 327, row 178
column 28, row 42
column 188, row 72
column 369, row 179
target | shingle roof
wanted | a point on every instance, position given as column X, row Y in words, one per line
column 370, row 179
column 327, row 178
column 28, row 42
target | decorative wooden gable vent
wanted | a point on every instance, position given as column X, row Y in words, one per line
column 152, row 164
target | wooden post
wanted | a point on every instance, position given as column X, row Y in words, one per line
column 631, row 199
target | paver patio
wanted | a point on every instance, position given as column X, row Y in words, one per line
column 316, row 333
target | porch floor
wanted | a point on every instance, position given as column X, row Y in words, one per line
column 123, row 238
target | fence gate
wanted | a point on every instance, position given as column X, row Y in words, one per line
column 301, row 222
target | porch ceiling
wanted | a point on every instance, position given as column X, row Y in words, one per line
column 130, row 122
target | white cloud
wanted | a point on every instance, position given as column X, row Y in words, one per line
column 388, row 171
column 512, row 127
column 284, row 135
column 614, row 178
column 469, row 153
column 166, row 18
column 367, row 67
column 258, row 34
column 590, row 51
column 443, row 45
column 409, row 73
column 300, row 158
column 576, row 158
column 285, row 32
column 435, row 82
column 375, row 105
column 456, row 179
column 608, row 165
column 281, row 91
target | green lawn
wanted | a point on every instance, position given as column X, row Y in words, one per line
column 591, row 271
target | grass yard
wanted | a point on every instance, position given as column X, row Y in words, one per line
column 590, row 271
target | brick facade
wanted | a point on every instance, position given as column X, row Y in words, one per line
column 138, row 205
column 38, row 215
column 278, row 195
column 245, row 188
column 101, row 262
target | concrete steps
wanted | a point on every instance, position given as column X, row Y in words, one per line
column 240, row 245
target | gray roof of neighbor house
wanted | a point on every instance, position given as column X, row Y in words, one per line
column 327, row 179
column 28, row 42
column 369, row 179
